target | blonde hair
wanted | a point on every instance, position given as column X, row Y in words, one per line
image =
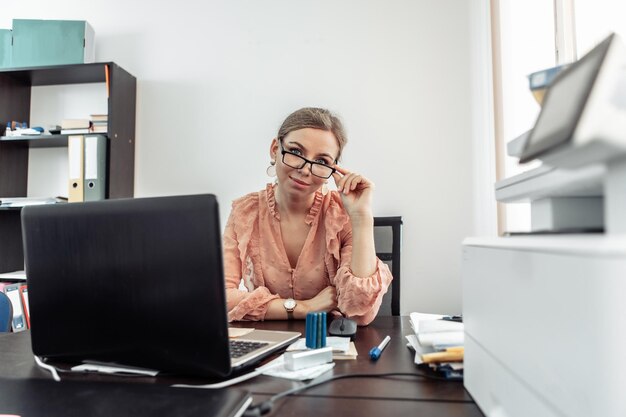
column 315, row 118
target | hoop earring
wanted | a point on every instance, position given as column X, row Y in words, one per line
column 271, row 170
column 325, row 188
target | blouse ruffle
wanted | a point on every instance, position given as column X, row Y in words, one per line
column 253, row 306
column 318, row 199
column 247, row 232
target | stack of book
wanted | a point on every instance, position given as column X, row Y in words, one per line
column 75, row 126
column 438, row 344
column 99, row 123
column 13, row 284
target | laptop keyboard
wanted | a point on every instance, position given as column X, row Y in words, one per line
column 239, row 348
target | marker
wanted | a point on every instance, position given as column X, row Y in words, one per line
column 376, row 351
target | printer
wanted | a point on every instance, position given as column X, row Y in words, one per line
column 545, row 311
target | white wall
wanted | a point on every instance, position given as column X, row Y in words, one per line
column 216, row 79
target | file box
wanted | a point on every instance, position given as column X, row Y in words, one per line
column 5, row 48
column 51, row 42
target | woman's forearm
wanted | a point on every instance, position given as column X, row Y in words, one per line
column 363, row 263
column 276, row 310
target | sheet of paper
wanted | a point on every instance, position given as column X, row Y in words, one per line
column 419, row 349
column 417, row 317
column 351, row 354
column 441, row 339
column 435, row 326
column 276, row 368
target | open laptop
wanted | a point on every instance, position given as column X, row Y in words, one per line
column 136, row 282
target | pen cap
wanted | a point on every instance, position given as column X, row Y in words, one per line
column 375, row 353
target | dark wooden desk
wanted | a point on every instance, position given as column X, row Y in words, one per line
column 358, row 397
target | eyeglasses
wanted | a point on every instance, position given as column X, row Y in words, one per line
column 296, row 161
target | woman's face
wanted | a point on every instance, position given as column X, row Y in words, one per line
column 312, row 144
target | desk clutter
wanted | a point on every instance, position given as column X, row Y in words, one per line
column 301, row 363
column 438, row 344
column 87, row 163
column 97, row 123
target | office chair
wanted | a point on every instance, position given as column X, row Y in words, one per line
column 6, row 313
column 388, row 241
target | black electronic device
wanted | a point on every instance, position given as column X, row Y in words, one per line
column 343, row 327
column 137, row 282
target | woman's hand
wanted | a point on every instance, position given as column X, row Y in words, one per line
column 325, row 300
column 356, row 192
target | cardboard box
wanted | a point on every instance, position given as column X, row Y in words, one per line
column 5, row 48
column 51, row 42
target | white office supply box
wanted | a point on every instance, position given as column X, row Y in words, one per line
column 545, row 325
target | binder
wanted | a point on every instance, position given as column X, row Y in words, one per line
column 75, row 146
column 24, row 298
column 18, row 323
column 95, row 167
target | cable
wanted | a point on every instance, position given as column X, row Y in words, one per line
column 265, row 407
column 51, row 369
column 223, row 384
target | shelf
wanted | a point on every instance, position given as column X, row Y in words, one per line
column 15, row 104
column 59, row 74
column 38, row 141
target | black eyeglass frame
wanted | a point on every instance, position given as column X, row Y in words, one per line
column 306, row 161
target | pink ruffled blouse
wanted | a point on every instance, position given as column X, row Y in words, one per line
column 254, row 253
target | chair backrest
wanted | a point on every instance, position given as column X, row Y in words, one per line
column 388, row 241
column 6, row 313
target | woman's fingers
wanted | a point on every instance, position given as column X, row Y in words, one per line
column 347, row 181
column 341, row 170
column 355, row 181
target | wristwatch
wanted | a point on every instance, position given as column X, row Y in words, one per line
column 290, row 305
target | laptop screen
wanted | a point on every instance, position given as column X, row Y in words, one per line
column 132, row 281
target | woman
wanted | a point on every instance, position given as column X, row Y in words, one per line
column 296, row 247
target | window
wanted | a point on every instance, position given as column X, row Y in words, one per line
column 534, row 35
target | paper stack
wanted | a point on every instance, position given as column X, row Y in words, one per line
column 438, row 344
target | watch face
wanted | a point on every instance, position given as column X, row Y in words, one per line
column 290, row 304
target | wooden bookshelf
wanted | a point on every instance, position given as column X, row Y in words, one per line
column 15, row 104
column 39, row 141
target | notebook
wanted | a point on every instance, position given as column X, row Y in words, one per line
column 47, row 398
column 134, row 282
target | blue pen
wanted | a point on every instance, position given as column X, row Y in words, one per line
column 376, row 351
